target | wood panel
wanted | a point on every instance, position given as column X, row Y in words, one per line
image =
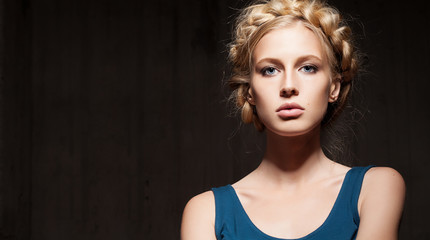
column 114, row 114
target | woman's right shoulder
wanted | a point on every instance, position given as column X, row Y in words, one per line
column 198, row 218
column 203, row 202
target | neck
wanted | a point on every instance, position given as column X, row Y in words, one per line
column 293, row 159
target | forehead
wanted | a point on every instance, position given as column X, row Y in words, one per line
column 289, row 42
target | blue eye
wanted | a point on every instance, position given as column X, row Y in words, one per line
column 269, row 71
column 309, row 69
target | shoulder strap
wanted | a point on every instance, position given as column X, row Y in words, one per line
column 223, row 205
column 355, row 181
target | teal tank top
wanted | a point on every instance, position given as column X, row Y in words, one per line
column 232, row 222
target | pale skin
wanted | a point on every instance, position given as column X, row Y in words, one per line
column 294, row 169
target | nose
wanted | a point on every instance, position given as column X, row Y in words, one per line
column 288, row 87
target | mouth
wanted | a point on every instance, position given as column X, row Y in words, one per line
column 290, row 110
column 289, row 106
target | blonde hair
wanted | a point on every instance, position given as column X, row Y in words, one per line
column 263, row 16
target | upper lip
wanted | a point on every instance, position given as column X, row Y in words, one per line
column 286, row 106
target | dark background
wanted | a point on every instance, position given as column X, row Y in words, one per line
column 113, row 113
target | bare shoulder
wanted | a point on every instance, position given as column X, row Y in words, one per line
column 382, row 183
column 203, row 201
column 381, row 203
column 385, row 179
column 198, row 218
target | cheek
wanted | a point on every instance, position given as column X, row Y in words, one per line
column 260, row 96
column 324, row 101
column 318, row 100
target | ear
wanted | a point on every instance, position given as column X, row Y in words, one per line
column 250, row 97
column 334, row 90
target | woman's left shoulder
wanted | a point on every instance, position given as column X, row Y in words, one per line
column 379, row 179
column 381, row 183
column 380, row 204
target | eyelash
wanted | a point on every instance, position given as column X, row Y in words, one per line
column 312, row 69
column 264, row 71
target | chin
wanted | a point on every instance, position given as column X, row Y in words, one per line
column 293, row 130
column 290, row 133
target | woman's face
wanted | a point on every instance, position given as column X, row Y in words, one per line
column 290, row 83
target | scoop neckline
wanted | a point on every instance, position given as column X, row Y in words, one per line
column 307, row 236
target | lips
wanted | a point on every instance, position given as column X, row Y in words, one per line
column 290, row 110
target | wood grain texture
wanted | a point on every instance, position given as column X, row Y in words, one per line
column 113, row 114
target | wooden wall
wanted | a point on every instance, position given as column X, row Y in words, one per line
column 113, row 113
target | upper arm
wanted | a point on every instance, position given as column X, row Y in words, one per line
column 381, row 204
column 198, row 218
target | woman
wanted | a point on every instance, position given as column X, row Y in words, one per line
column 293, row 66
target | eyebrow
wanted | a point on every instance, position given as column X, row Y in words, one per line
column 299, row 59
column 310, row 56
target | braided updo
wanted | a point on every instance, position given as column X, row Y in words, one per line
column 263, row 16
